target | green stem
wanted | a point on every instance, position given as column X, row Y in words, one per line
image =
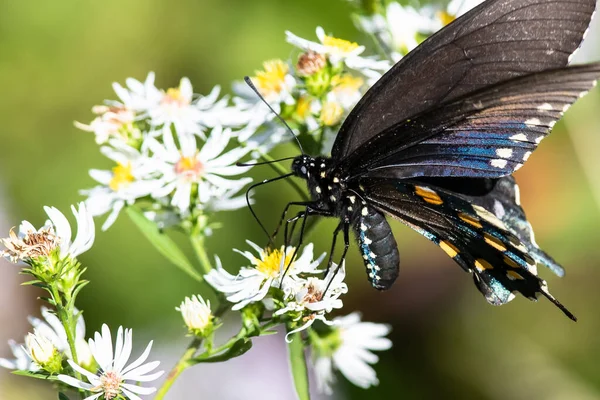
column 181, row 365
column 200, row 250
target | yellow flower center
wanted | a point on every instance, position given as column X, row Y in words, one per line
column 272, row 79
column 271, row 262
column 347, row 82
column 445, row 17
column 331, row 113
column 343, row 46
column 174, row 97
column 190, row 167
column 122, row 176
column 303, row 107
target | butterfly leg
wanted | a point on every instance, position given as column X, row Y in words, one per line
column 284, row 213
column 346, row 227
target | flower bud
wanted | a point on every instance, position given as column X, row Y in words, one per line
column 43, row 352
column 310, row 63
column 197, row 315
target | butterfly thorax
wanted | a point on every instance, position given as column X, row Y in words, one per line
column 325, row 186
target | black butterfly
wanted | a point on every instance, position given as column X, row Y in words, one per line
column 434, row 141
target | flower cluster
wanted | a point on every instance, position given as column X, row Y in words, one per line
column 399, row 28
column 170, row 150
column 312, row 94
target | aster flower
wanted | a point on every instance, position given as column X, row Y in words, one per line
column 43, row 352
column 197, row 315
column 22, row 360
column 181, row 168
column 401, row 29
column 128, row 181
column 137, row 96
column 55, row 235
column 307, row 300
column 114, row 378
column 348, row 348
column 252, row 284
column 112, row 122
column 50, row 329
column 341, row 51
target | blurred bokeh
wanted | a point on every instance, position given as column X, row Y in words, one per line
column 59, row 58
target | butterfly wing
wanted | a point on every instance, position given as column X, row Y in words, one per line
column 495, row 41
column 490, row 133
column 474, row 237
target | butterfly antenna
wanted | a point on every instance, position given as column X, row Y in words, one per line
column 242, row 164
column 250, row 206
column 249, row 83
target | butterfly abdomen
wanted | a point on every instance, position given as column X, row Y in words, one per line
column 377, row 247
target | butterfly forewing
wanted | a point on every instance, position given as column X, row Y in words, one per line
column 496, row 41
column 490, row 133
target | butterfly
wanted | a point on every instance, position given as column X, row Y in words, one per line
column 434, row 143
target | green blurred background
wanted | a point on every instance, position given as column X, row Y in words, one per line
column 59, row 58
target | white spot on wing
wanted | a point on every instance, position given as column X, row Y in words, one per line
column 545, row 107
column 504, row 153
column 539, row 139
column 498, row 163
column 526, row 155
column 519, row 137
column 533, row 122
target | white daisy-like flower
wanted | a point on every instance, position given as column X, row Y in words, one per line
column 114, row 121
column 52, row 330
column 196, row 313
column 114, row 378
column 128, row 181
column 399, row 30
column 41, row 349
column 137, row 96
column 181, row 167
column 309, row 301
column 252, row 284
column 31, row 243
column 349, row 349
column 341, row 51
column 22, row 360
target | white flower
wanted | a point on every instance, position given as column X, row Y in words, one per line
column 137, row 96
column 31, row 243
column 309, row 300
column 51, row 329
column 196, row 313
column 128, row 181
column 40, row 348
column 400, row 28
column 22, row 361
column 114, row 378
column 182, row 167
column 252, row 284
column 349, row 349
column 114, row 121
column 339, row 50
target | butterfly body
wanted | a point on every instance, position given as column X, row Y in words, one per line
column 434, row 143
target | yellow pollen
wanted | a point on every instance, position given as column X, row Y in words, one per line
column 331, row 113
column 342, row 45
column 189, row 167
column 173, row 96
column 303, row 107
column 122, row 176
column 271, row 264
column 445, row 17
column 271, row 80
column 347, row 82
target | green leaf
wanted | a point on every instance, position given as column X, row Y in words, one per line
column 62, row 396
column 35, row 374
column 298, row 366
column 238, row 348
column 162, row 242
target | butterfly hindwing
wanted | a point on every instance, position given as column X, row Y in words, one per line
column 496, row 41
column 470, row 234
column 490, row 133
